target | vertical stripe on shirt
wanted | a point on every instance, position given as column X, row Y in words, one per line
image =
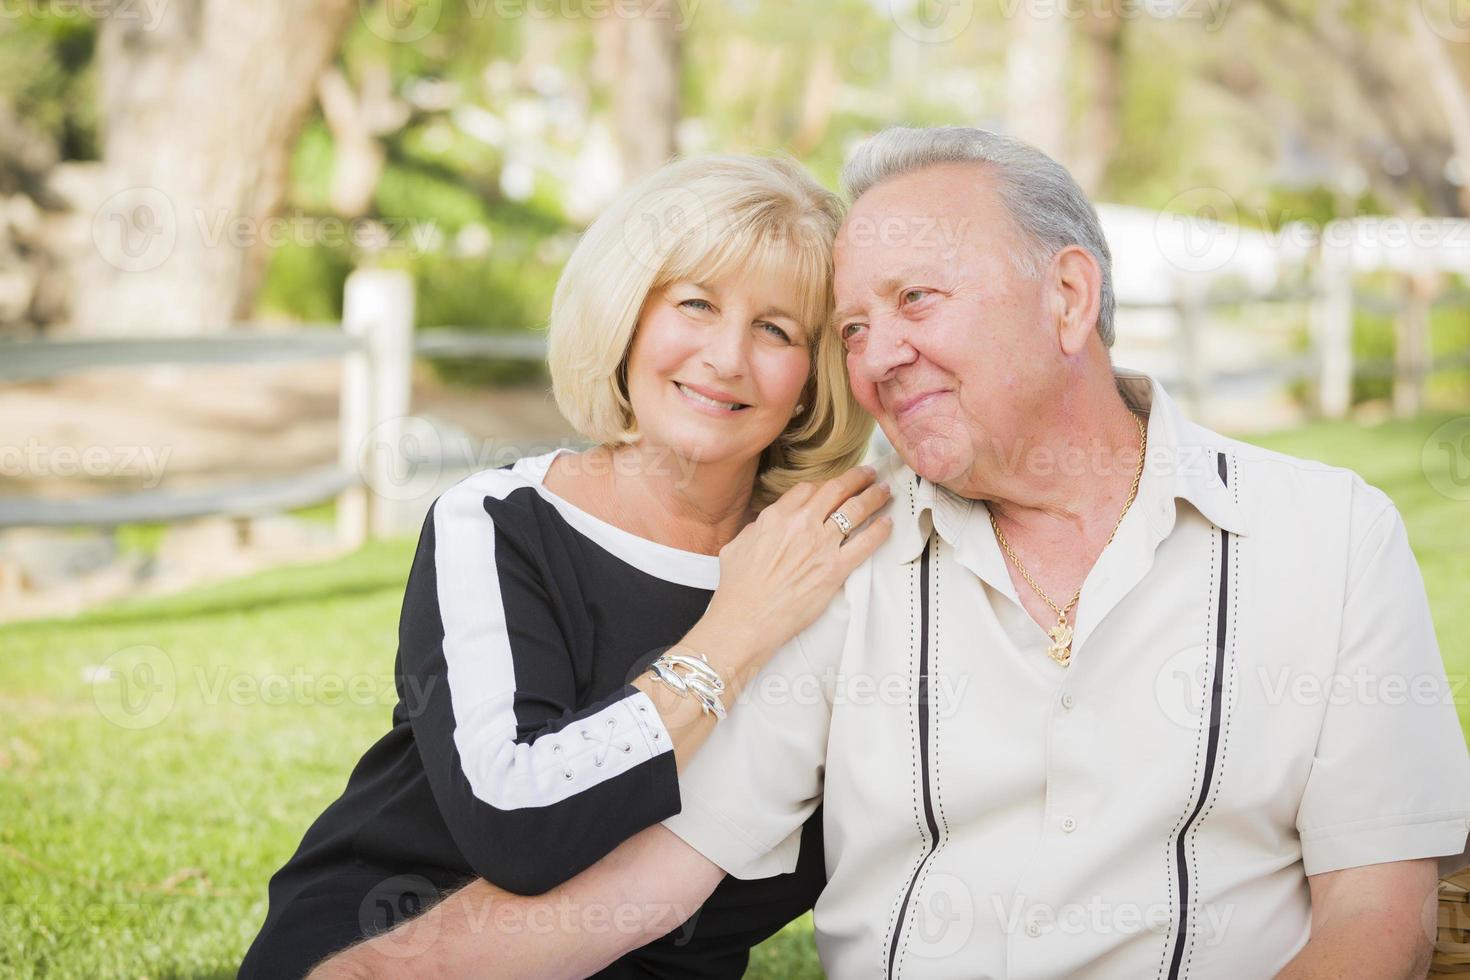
column 922, row 698
column 1212, row 741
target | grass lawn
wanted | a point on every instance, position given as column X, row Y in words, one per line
column 137, row 833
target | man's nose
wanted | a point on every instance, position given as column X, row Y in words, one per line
column 887, row 349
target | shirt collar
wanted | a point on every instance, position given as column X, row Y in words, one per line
column 1184, row 459
column 1182, row 463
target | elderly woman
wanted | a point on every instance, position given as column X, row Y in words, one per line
column 574, row 625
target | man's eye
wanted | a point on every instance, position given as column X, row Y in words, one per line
column 914, row 295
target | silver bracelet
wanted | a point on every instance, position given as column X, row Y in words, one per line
column 709, row 699
column 697, row 666
column 686, row 676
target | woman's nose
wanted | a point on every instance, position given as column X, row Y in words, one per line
column 725, row 352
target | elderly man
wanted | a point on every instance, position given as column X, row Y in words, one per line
column 1119, row 697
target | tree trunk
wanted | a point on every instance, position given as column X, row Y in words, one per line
column 1450, row 89
column 1037, row 107
column 1097, row 134
column 646, row 51
column 200, row 112
column 357, row 156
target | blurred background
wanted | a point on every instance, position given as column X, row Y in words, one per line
column 273, row 275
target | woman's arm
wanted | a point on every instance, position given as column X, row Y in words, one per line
column 533, row 787
column 487, row 680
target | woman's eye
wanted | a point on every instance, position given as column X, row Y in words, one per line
column 775, row 331
column 697, row 304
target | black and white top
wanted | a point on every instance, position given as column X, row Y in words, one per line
column 520, row 752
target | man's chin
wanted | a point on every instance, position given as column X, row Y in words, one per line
column 941, row 449
column 937, row 457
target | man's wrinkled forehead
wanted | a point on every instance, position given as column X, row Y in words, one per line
column 888, row 222
column 927, row 215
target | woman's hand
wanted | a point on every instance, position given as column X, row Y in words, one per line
column 776, row 577
column 784, row 568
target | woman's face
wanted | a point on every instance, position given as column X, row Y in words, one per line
column 717, row 368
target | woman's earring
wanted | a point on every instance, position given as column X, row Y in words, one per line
column 798, row 411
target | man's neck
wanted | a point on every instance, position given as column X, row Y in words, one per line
column 1070, row 472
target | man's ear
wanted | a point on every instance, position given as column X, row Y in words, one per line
column 1077, row 297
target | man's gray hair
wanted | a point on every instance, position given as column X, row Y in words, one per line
column 1049, row 209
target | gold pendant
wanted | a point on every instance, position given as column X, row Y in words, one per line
column 1061, row 643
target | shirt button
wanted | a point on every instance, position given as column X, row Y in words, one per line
column 1068, row 700
column 1033, row 929
column 1068, row 825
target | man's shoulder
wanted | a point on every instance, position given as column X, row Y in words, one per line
column 1295, row 487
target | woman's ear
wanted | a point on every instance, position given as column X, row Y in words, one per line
column 1077, row 282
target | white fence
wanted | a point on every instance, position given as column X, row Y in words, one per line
column 377, row 344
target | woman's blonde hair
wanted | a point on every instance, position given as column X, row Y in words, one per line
column 697, row 220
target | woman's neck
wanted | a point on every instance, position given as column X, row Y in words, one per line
column 657, row 494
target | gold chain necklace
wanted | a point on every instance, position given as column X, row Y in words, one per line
column 1061, row 634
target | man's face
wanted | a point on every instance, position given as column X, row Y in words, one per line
column 950, row 348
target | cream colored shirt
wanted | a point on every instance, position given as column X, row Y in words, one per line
column 1255, row 696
